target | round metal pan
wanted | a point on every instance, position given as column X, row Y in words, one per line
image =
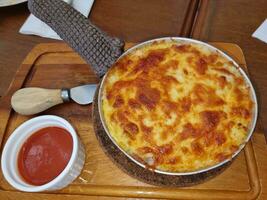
column 181, row 40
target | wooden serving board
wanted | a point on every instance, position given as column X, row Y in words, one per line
column 56, row 66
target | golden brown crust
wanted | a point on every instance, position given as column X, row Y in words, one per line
column 178, row 108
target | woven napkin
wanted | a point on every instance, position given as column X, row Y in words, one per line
column 34, row 26
column 96, row 47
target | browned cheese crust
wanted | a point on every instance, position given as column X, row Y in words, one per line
column 177, row 107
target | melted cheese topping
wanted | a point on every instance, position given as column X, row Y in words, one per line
column 177, row 107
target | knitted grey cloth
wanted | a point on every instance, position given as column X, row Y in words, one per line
column 97, row 48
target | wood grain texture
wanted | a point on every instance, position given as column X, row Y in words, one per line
column 142, row 20
column 100, row 176
column 14, row 46
column 33, row 100
column 127, row 19
column 235, row 21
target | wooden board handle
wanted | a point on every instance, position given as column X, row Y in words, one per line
column 29, row 101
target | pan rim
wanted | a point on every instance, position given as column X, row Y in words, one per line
column 182, row 40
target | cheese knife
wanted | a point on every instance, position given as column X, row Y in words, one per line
column 33, row 100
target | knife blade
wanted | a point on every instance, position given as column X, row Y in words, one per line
column 83, row 94
column 29, row 101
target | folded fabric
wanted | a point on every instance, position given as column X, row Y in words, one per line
column 34, row 26
column 261, row 32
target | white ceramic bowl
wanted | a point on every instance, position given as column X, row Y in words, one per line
column 17, row 139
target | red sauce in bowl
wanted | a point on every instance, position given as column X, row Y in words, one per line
column 44, row 155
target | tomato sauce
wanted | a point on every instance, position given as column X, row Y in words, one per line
column 44, row 155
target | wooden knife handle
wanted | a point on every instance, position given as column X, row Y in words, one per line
column 29, row 101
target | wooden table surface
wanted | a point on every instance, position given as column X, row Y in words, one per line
column 132, row 21
column 136, row 21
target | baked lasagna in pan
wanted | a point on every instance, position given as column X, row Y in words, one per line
column 177, row 107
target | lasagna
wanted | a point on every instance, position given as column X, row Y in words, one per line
column 177, row 107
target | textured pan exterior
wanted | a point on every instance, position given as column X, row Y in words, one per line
column 97, row 48
column 180, row 40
